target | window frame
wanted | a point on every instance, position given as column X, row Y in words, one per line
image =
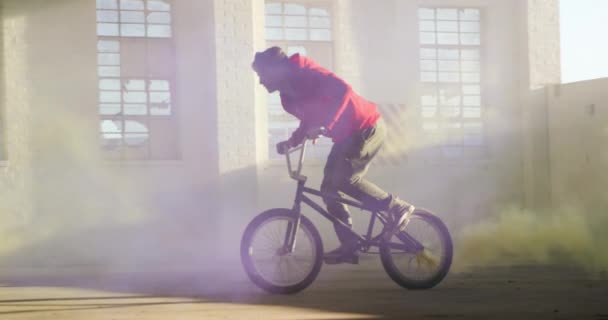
column 482, row 149
column 126, row 152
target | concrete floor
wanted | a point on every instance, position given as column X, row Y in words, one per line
column 340, row 292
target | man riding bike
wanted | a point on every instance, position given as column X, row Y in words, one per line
column 325, row 104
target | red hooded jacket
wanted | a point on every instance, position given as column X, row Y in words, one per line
column 318, row 97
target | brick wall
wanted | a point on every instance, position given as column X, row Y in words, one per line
column 236, row 95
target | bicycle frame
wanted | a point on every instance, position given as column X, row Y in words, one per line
column 367, row 241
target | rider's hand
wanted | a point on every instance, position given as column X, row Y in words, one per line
column 315, row 132
column 283, row 147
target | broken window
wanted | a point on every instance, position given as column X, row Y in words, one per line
column 136, row 72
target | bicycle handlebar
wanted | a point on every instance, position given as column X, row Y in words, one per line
column 296, row 174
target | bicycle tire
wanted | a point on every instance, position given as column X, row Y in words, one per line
column 259, row 279
column 386, row 254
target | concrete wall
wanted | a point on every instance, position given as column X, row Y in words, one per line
column 578, row 126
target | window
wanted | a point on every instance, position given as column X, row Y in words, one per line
column 450, row 72
column 136, row 70
column 304, row 28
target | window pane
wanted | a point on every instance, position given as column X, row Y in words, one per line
column 163, row 109
column 427, row 14
column 428, row 76
column 108, row 59
column 109, row 109
column 472, row 54
column 274, row 34
column 429, row 100
column 469, row 26
column 471, row 112
column 160, row 97
column 132, row 16
column 471, row 89
column 135, row 85
column 449, row 112
column 469, row 14
column 469, row 38
column 109, row 84
column 292, row 50
column 428, row 65
column 448, row 54
column 295, row 9
column 472, row 101
column 109, row 96
column 449, row 66
column 426, row 53
column 447, row 38
column 107, row 4
column 318, row 12
column 159, row 31
column 158, row 5
column 427, row 38
column 108, row 71
column 274, row 21
column 295, row 21
column 450, row 100
column 470, row 66
column 134, row 97
column 135, row 109
column 447, row 14
column 449, row 77
column 107, row 29
column 273, row 8
column 136, row 139
column 132, row 126
column 427, row 26
column 320, row 22
column 159, row 17
column 108, row 46
column 132, row 30
column 114, row 126
column 159, row 85
column 295, row 34
column 447, row 26
column 320, row 35
column 107, row 16
column 131, row 4
column 470, row 77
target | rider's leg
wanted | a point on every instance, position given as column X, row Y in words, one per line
column 360, row 151
column 329, row 186
column 346, row 252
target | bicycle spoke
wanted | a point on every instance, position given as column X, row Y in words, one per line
column 287, row 268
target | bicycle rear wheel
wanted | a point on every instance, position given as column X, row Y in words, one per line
column 421, row 256
column 267, row 260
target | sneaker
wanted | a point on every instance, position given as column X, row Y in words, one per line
column 342, row 254
column 400, row 215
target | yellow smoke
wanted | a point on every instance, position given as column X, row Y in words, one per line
column 520, row 236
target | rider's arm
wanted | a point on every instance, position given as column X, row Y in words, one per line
column 298, row 135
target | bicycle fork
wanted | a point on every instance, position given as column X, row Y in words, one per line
column 289, row 244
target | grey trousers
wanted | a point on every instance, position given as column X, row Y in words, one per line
column 346, row 165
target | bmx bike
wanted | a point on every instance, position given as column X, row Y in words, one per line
column 282, row 251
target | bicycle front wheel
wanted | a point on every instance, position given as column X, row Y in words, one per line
column 268, row 259
column 421, row 256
